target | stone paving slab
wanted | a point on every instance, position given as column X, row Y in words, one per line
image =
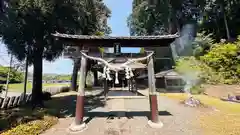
column 177, row 119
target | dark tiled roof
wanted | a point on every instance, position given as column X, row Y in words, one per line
column 87, row 37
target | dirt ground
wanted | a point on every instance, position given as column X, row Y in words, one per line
column 222, row 91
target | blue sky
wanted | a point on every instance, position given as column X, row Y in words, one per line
column 118, row 22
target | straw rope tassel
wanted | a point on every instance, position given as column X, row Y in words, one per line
column 108, row 74
column 116, row 78
column 104, row 72
column 127, row 73
column 131, row 72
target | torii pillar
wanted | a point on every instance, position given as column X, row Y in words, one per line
column 154, row 121
column 78, row 125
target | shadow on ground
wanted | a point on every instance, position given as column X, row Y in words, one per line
column 119, row 114
column 65, row 106
column 60, row 106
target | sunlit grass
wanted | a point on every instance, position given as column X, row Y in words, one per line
column 226, row 121
column 18, row 87
column 210, row 101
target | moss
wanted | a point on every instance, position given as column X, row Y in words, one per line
column 34, row 127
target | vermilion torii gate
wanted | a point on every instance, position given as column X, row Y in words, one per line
column 90, row 44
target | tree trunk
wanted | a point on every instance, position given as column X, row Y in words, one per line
column 37, row 99
column 226, row 25
column 225, row 22
column 76, row 67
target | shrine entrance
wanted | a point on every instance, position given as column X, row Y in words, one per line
column 118, row 69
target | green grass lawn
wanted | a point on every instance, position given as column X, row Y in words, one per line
column 18, row 87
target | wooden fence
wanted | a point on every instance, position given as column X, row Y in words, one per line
column 15, row 101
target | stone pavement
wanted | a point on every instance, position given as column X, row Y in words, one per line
column 177, row 119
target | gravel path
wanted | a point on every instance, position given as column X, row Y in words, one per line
column 177, row 119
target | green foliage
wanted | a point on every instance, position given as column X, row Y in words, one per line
column 220, row 15
column 15, row 76
column 76, row 17
column 219, row 64
column 142, row 50
column 27, row 27
column 162, row 17
column 48, row 77
column 224, row 58
column 202, row 44
column 197, row 70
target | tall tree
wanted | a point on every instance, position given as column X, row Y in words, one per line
column 99, row 13
column 162, row 17
column 221, row 18
column 30, row 23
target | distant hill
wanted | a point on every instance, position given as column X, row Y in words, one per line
column 48, row 77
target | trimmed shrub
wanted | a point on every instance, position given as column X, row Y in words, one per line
column 197, row 70
column 224, row 59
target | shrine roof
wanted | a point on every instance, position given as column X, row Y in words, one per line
column 124, row 41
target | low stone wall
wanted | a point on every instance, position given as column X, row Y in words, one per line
column 15, row 101
column 56, row 90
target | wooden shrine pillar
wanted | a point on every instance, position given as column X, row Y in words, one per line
column 154, row 121
column 78, row 124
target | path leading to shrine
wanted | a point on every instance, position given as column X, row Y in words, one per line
column 177, row 119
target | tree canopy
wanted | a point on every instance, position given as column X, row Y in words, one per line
column 154, row 17
column 31, row 22
column 27, row 25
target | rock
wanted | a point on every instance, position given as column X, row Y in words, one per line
column 238, row 97
column 231, row 97
column 192, row 102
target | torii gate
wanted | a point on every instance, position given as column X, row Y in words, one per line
column 93, row 42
